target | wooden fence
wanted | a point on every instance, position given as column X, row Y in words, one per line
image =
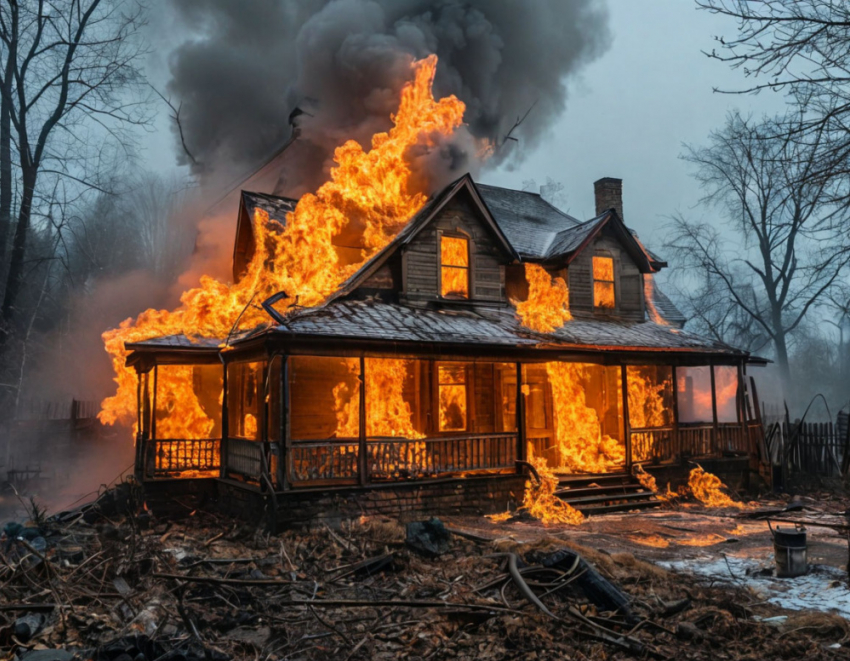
column 815, row 448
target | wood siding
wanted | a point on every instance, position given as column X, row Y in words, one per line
column 421, row 256
column 628, row 281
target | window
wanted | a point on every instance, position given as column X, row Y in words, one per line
column 454, row 267
column 453, row 403
column 603, row 282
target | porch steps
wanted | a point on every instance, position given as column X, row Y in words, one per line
column 599, row 494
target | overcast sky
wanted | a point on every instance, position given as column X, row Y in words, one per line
column 627, row 116
column 634, row 108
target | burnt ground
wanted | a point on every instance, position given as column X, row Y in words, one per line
column 111, row 586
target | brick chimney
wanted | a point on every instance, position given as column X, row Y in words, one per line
column 609, row 195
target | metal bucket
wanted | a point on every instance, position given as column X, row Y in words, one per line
column 789, row 545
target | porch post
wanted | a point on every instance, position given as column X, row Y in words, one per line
column 225, row 425
column 521, row 445
column 716, row 430
column 677, row 447
column 146, row 422
column 285, row 443
column 743, row 418
column 363, row 465
column 153, row 407
column 627, row 429
column 263, row 422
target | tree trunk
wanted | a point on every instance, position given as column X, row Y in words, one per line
column 15, row 278
column 780, row 345
column 5, row 165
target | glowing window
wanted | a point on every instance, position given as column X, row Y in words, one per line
column 603, row 282
column 454, row 267
column 452, row 385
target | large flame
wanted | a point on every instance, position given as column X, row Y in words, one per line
column 581, row 444
column 540, row 501
column 373, row 189
column 547, row 307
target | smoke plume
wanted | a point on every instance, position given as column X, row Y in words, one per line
column 242, row 68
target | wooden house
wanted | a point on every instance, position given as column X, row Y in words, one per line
column 416, row 388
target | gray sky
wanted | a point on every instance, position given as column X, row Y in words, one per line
column 627, row 116
column 634, row 108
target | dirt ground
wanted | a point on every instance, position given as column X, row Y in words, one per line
column 99, row 584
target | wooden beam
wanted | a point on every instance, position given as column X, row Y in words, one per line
column 715, row 441
column 363, row 461
column 286, row 438
column 677, row 448
column 522, row 446
column 225, row 423
column 627, row 430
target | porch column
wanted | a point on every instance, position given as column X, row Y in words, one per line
column 715, row 445
column 743, row 417
column 627, row 430
column 521, row 445
column 285, row 440
column 263, row 423
column 363, row 461
column 677, row 447
column 225, row 425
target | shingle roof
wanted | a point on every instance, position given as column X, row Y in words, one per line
column 379, row 321
column 529, row 221
column 180, row 341
column 666, row 308
column 570, row 239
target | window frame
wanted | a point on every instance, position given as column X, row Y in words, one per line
column 456, row 234
column 612, row 282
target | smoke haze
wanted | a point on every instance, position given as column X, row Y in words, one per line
column 240, row 69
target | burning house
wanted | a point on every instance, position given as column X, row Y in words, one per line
column 420, row 361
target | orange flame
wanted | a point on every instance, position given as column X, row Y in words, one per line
column 547, row 307
column 706, row 488
column 603, row 282
column 454, row 269
column 540, row 501
column 649, row 296
column 581, row 445
column 373, row 189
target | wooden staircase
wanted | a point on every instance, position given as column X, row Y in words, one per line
column 599, row 494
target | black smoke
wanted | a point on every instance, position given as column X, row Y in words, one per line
column 241, row 68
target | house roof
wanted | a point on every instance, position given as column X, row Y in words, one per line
column 529, row 221
column 375, row 320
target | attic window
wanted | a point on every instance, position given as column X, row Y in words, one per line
column 454, row 267
column 603, row 282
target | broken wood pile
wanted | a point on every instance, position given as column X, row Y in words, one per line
column 105, row 586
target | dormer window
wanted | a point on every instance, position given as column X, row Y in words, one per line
column 603, row 282
column 454, row 267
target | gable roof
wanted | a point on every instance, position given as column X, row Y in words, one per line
column 417, row 224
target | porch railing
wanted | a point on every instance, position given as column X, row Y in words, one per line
column 182, row 457
column 664, row 444
column 324, row 461
column 400, row 459
column 338, row 462
column 244, row 459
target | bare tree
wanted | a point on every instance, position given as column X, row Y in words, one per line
column 776, row 251
column 800, row 48
column 67, row 69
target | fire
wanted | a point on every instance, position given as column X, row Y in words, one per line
column 373, row 189
column 540, row 500
column 250, row 426
column 649, row 297
column 581, row 445
column 603, row 282
column 706, row 488
column 547, row 307
column 454, row 270
column 648, row 482
column 387, row 412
